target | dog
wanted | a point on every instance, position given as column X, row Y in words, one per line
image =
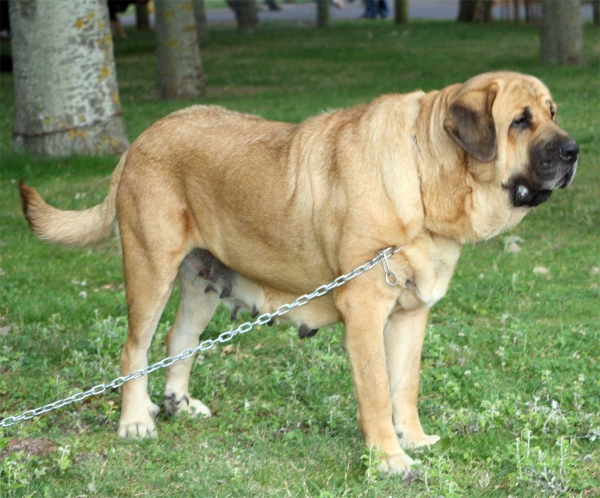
column 284, row 208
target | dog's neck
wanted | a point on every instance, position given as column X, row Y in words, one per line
column 453, row 195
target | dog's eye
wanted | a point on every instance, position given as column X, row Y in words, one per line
column 552, row 107
column 521, row 122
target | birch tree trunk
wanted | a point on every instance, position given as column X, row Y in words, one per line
column 201, row 25
column 179, row 65
column 245, row 13
column 66, row 94
column 401, row 11
column 561, row 35
column 323, row 17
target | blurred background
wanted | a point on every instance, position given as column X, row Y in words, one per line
column 64, row 43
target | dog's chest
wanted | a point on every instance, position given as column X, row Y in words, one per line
column 425, row 271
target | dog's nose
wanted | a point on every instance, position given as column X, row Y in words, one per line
column 569, row 151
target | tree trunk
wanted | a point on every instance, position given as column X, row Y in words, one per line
column 487, row 10
column 142, row 20
column 179, row 66
column 66, row 94
column 401, row 7
column 245, row 13
column 475, row 11
column 596, row 8
column 466, row 10
column 561, row 35
column 516, row 11
column 482, row 11
column 201, row 25
column 323, row 18
column 528, row 17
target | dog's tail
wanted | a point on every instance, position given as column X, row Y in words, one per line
column 72, row 228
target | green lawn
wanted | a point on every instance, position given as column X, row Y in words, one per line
column 510, row 367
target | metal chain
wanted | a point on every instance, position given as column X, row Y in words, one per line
column 210, row 343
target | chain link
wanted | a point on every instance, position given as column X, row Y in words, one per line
column 224, row 337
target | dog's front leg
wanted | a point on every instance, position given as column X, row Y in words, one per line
column 404, row 335
column 365, row 310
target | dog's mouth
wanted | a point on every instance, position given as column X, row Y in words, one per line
column 546, row 177
column 568, row 178
column 524, row 194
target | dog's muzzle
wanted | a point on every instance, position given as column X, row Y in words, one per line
column 554, row 166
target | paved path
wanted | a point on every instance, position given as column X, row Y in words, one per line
column 417, row 9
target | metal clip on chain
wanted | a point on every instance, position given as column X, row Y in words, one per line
column 390, row 278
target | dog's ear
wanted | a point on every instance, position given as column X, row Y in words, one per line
column 470, row 123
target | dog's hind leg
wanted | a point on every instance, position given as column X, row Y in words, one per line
column 195, row 311
column 151, row 260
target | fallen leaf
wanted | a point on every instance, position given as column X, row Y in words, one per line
column 225, row 350
column 541, row 270
column 4, row 330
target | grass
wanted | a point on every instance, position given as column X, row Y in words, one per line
column 510, row 365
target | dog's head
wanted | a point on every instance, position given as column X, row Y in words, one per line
column 506, row 123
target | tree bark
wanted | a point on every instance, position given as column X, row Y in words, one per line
column 516, row 11
column 596, row 9
column 323, row 17
column 466, row 10
column 561, row 34
column 66, row 94
column 245, row 13
column 179, row 65
column 482, row 11
column 401, row 7
column 475, row 11
column 201, row 24
column 142, row 20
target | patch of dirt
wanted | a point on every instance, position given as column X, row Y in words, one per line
column 31, row 446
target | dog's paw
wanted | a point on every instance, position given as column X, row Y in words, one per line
column 398, row 463
column 408, row 441
column 176, row 404
column 196, row 407
column 141, row 426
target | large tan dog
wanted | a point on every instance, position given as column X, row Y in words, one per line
column 285, row 208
